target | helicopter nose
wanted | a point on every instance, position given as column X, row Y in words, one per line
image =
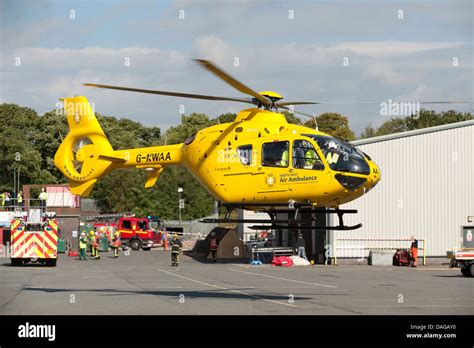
column 375, row 174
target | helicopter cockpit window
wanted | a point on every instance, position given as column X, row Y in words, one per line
column 245, row 154
column 275, row 154
column 341, row 155
column 305, row 156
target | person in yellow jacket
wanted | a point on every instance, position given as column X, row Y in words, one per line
column 2, row 199
column 19, row 198
column 284, row 159
column 82, row 247
column 91, row 243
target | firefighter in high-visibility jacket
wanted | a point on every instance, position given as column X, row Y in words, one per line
column 116, row 243
column 82, row 247
column 96, row 245
column 176, row 247
column 91, row 238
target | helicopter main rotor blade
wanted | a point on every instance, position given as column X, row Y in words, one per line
column 279, row 104
column 172, row 94
column 296, row 112
column 232, row 81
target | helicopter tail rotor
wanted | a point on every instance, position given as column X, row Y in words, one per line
column 79, row 155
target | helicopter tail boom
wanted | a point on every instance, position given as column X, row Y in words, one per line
column 86, row 154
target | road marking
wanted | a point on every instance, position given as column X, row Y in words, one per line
column 285, row 279
column 227, row 289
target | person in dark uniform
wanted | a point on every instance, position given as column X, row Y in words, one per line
column 301, row 246
column 414, row 251
column 176, row 247
column 213, row 244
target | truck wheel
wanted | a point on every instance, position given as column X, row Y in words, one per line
column 51, row 262
column 135, row 244
column 467, row 271
column 16, row 262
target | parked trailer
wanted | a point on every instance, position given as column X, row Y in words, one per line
column 36, row 242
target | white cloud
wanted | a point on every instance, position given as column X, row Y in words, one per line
column 391, row 48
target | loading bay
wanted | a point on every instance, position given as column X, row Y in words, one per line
column 144, row 283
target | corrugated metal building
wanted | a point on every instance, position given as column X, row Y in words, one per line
column 427, row 190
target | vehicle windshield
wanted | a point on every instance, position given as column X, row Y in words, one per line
column 341, row 155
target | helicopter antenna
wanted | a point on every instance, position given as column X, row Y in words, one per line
column 315, row 122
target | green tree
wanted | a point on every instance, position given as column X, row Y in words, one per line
column 19, row 148
column 333, row 124
column 425, row 118
column 368, row 132
column 226, row 118
column 291, row 118
column 189, row 125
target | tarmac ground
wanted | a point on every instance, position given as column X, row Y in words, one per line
column 144, row 282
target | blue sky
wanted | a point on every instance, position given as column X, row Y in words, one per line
column 407, row 59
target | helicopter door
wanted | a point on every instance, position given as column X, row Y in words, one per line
column 308, row 169
column 275, row 167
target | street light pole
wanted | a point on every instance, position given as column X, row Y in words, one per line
column 180, row 203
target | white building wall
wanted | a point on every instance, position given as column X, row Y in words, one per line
column 427, row 190
column 243, row 229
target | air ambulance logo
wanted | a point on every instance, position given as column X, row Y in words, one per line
column 270, row 180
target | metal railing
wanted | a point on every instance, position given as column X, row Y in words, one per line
column 387, row 244
column 12, row 204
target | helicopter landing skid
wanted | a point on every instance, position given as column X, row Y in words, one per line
column 274, row 224
column 306, row 228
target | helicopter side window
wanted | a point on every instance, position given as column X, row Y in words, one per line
column 305, row 156
column 245, row 154
column 275, row 154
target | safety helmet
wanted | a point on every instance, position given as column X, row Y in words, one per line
column 91, row 233
column 117, row 233
column 175, row 235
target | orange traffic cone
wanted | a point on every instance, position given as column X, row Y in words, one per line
column 165, row 244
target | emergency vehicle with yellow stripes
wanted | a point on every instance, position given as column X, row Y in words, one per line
column 34, row 241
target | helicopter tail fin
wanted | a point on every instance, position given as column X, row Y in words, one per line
column 86, row 154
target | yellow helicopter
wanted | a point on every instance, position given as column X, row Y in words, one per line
column 258, row 162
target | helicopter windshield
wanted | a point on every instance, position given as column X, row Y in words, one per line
column 341, row 155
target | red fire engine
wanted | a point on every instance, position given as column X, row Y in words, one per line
column 136, row 233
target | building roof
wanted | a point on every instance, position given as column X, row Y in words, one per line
column 413, row 132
